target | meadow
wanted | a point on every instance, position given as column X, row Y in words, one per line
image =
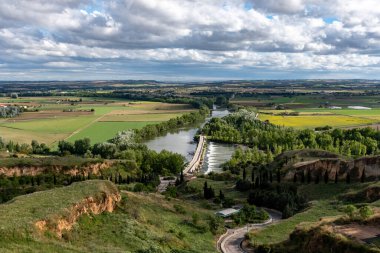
column 50, row 119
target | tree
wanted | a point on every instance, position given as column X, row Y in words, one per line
column 35, row 146
column 326, row 177
column 82, row 146
column 302, row 177
column 205, row 190
column 288, row 212
column 317, row 179
column 365, row 212
column 350, row 210
column 221, row 195
column 253, row 175
column 363, row 176
column 105, row 150
column 221, row 100
column 348, row 178
column 181, row 177
column 243, row 185
column 244, row 174
column 65, row 147
column 257, row 183
column 278, row 176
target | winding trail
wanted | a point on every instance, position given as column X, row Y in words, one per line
column 231, row 241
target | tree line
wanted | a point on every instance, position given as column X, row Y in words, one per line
column 24, row 148
column 10, row 111
column 188, row 119
column 243, row 127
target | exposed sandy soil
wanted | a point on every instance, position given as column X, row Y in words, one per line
column 357, row 231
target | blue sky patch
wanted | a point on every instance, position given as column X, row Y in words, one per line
column 330, row 20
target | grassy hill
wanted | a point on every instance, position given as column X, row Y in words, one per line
column 139, row 223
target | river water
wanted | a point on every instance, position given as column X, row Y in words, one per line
column 182, row 142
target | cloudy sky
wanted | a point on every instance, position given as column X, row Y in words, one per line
column 189, row 39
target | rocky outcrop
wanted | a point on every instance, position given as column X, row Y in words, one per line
column 371, row 166
column 33, row 170
column 90, row 205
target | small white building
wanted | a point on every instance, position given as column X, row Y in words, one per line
column 227, row 212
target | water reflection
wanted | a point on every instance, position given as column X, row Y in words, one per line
column 182, row 142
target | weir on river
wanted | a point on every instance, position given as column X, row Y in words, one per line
column 182, row 142
column 197, row 158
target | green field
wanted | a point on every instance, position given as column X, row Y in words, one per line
column 97, row 119
column 103, row 131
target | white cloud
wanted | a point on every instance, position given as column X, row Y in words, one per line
column 276, row 35
column 61, row 64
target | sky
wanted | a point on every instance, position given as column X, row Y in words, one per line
column 183, row 40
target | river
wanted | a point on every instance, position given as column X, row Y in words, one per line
column 182, row 142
